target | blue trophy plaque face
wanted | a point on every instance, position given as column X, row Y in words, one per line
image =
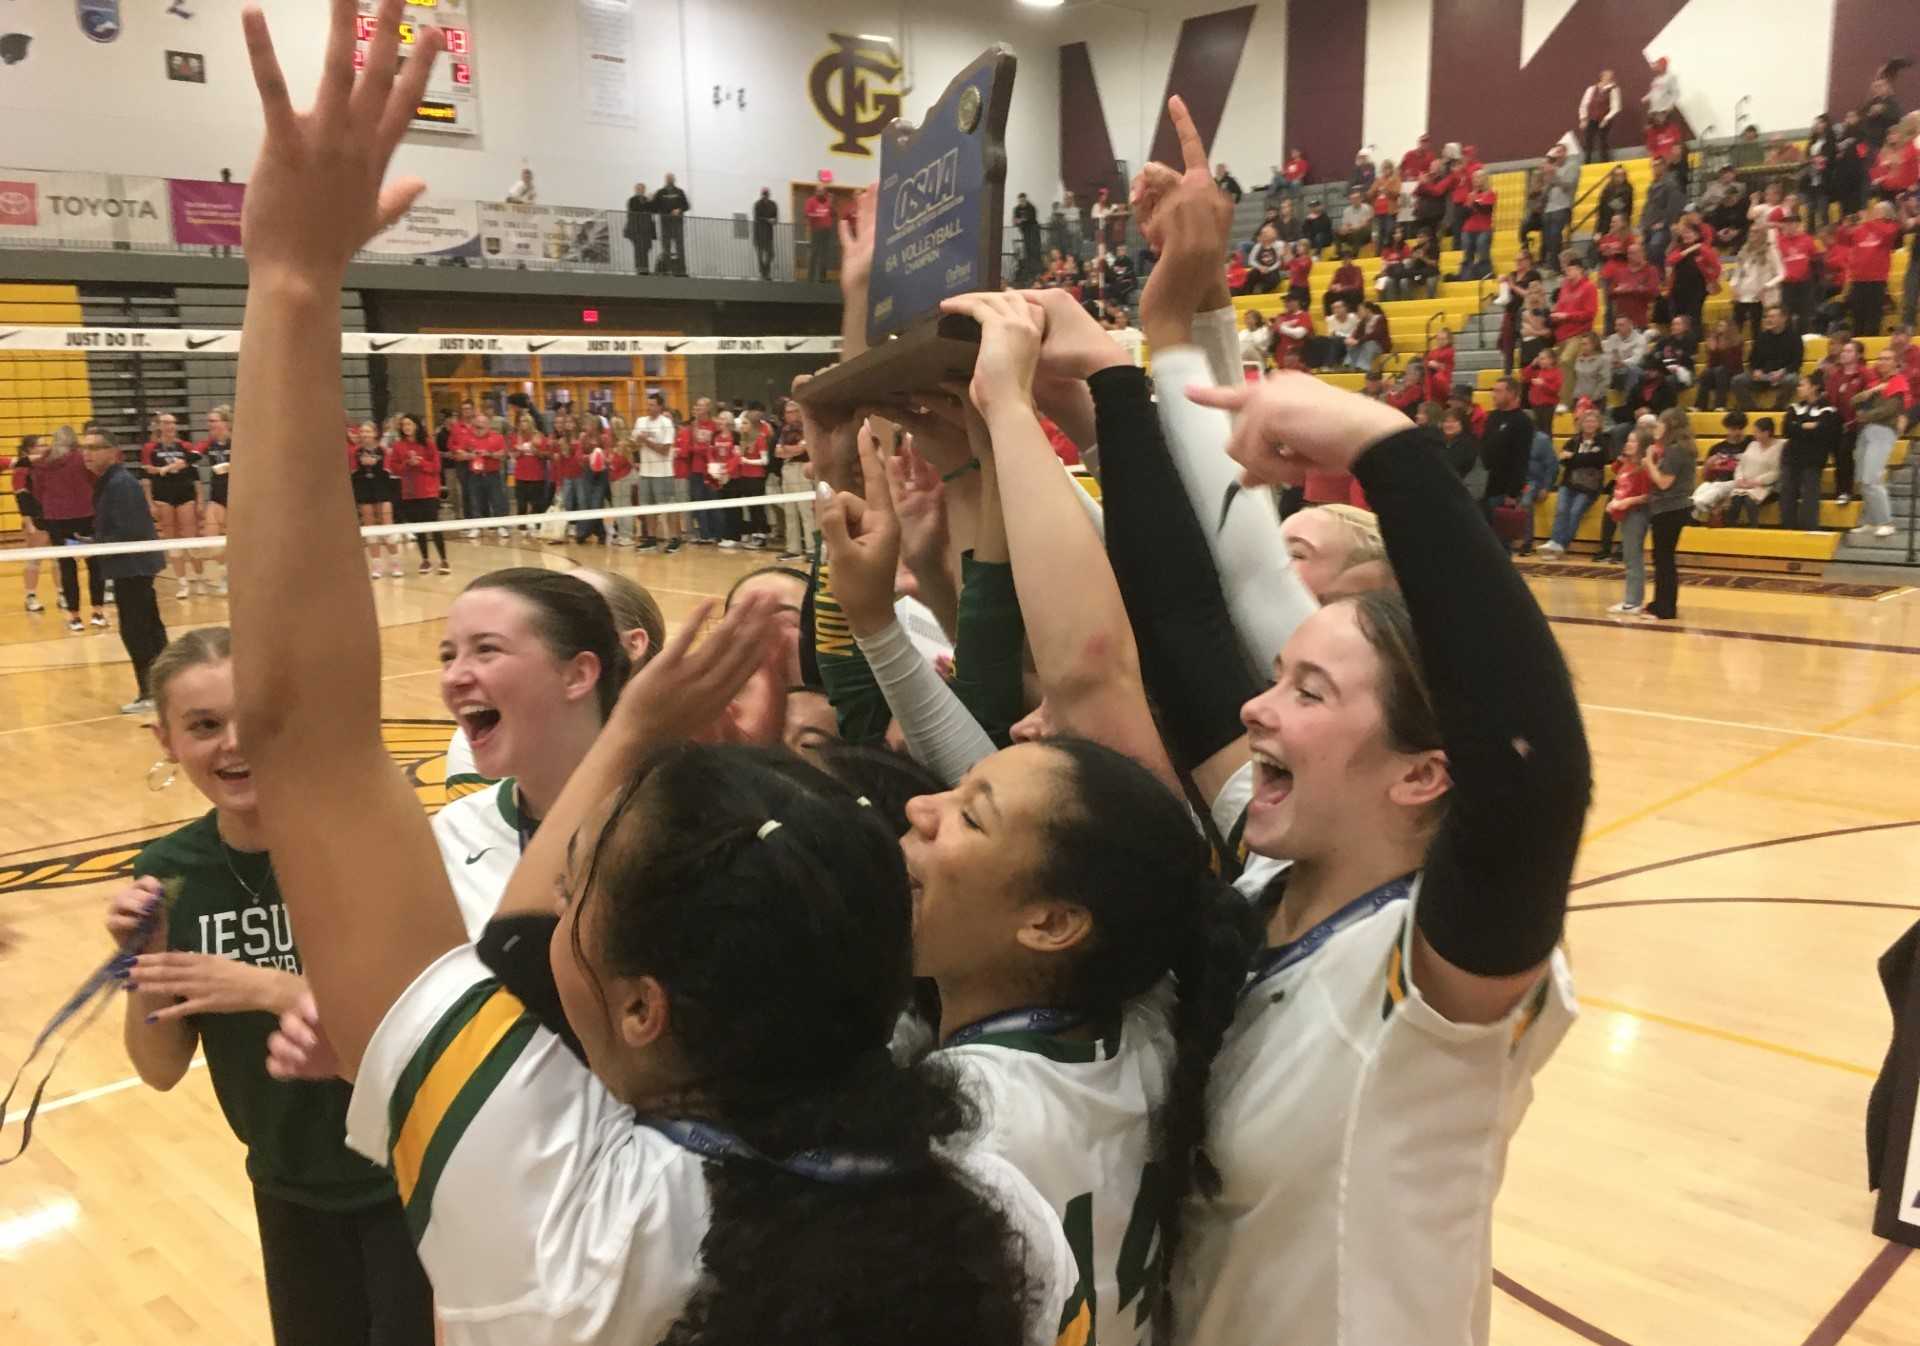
column 937, row 230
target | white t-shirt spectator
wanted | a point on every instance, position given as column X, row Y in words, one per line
column 656, row 434
column 522, row 192
column 1341, row 328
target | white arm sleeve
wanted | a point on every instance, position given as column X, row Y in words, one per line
column 1264, row 594
column 1218, row 335
column 941, row 734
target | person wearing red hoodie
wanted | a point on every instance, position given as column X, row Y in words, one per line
column 1467, row 164
column 1575, row 308
column 1545, row 380
column 1633, row 283
column 1416, row 161
column 1439, row 361
column 1664, row 134
column 1292, row 330
column 415, row 460
column 1870, row 247
column 1797, row 251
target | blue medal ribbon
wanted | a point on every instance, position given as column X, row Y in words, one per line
column 88, row 1001
column 1283, row 956
column 819, row 1165
column 1017, row 1021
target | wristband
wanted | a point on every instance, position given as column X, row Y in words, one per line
column 971, row 465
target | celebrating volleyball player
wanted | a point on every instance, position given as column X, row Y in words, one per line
column 217, row 453
column 216, row 971
column 739, row 1160
column 1419, row 781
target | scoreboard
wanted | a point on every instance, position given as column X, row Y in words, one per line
column 451, row 102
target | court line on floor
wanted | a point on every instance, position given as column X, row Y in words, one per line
column 1551, row 1311
column 1771, row 755
column 1727, row 1035
column 1723, row 633
column 1757, row 728
column 1596, row 881
column 88, row 1095
column 1866, row 1286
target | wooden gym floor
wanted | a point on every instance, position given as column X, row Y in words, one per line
column 1691, row 1174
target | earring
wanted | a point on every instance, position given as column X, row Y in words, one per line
column 157, row 785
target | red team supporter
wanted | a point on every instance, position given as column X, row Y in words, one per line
column 1576, row 306
column 416, row 462
column 1870, row 247
column 1439, row 364
column 1299, row 276
column 1633, row 283
column 1417, row 160
column 1662, row 138
column 1296, row 169
column 1292, row 330
column 488, row 487
column 1896, row 170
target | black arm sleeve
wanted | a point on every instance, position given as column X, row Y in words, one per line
column 1196, row 672
column 514, row 948
column 1493, row 896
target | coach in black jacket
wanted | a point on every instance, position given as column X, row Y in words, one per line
column 121, row 514
column 1506, row 443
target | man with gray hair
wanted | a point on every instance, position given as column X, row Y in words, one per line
column 1563, row 183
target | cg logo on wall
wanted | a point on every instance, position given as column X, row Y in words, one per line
column 852, row 88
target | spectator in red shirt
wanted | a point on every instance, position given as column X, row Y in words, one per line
column 1476, row 227
column 1576, row 306
column 704, row 430
column 1292, row 330
column 1386, row 207
column 1664, row 135
column 1416, row 161
column 1544, row 379
column 1349, row 283
column 531, row 490
column 1439, row 361
column 1846, row 375
column 1299, row 274
column 820, row 235
column 1298, row 169
column 1906, row 355
column 1869, row 259
column 1411, row 390
column 1797, row 251
column 1237, row 273
column 416, row 461
column 1896, row 168
column 1464, row 164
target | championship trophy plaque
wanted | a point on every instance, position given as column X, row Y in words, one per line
column 936, row 234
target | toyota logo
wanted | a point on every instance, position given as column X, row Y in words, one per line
column 16, row 203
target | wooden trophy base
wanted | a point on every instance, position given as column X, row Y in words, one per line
column 924, row 356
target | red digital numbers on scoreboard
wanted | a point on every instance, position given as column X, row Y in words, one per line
column 462, row 73
column 363, row 27
column 456, row 42
column 359, row 58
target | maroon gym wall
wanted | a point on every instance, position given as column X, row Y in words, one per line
column 1865, row 34
column 1326, row 86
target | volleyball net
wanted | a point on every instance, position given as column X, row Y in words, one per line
column 125, row 379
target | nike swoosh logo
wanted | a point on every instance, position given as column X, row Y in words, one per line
column 15, row 332
column 534, row 347
column 675, row 345
column 475, row 857
column 384, row 345
column 193, row 345
column 795, row 345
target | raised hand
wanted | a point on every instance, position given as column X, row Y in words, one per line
column 1191, row 220
column 1291, row 423
column 863, row 544
column 920, row 504
column 316, row 194
column 856, row 241
column 829, row 433
column 1010, row 336
column 937, row 420
column 684, row 691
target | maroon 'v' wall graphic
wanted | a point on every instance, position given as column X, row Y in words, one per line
column 1867, row 34
column 1205, row 60
column 1480, row 95
column 1326, row 86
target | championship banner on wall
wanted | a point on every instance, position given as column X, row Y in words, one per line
column 451, row 101
column 432, row 229
column 544, row 233
column 82, row 208
column 205, row 213
column 226, row 341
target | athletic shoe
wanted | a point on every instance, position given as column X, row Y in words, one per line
column 1624, row 609
column 394, row 572
column 1843, row 499
column 445, row 569
column 99, row 619
column 140, row 707
column 185, row 590
column 504, row 534
column 647, row 544
column 1884, row 530
column 426, row 567
column 378, row 573
column 75, row 625
column 34, row 604
column 1551, row 549
column 60, row 601
column 673, row 546
column 473, row 535
column 791, row 556
column 728, row 544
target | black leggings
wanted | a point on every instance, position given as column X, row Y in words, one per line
column 1666, row 529
column 342, row 1276
column 424, row 511
column 141, row 631
column 60, row 531
column 530, row 497
column 1843, row 462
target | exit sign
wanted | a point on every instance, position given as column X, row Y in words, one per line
column 590, row 316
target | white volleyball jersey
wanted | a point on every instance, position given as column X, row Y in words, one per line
column 479, row 838
column 543, row 1211
column 1076, row 1118
column 1360, row 1138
